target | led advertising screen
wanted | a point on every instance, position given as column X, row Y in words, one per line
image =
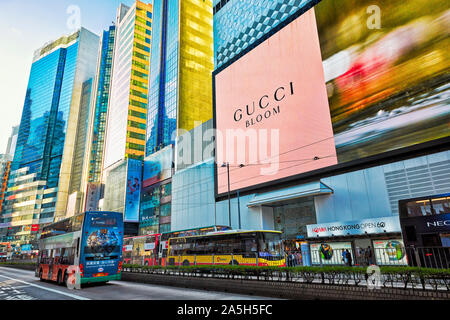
column 272, row 110
column 329, row 253
column 345, row 81
column 158, row 167
column 133, row 192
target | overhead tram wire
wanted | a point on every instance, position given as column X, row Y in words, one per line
column 237, row 167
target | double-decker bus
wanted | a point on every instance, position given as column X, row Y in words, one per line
column 90, row 242
column 5, row 250
column 141, row 250
column 250, row 248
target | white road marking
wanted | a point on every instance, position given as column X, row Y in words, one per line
column 48, row 289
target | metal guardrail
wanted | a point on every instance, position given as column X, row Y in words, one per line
column 432, row 257
column 437, row 257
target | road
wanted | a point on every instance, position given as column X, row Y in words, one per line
column 18, row 284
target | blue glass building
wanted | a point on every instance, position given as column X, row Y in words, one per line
column 162, row 109
column 56, row 105
column 99, row 111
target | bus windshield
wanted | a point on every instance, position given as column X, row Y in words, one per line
column 103, row 238
column 270, row 244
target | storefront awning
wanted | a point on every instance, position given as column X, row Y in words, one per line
column 316, row 188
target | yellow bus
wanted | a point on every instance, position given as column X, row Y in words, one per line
column 232, row 247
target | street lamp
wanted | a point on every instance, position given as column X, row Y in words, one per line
column 227, row 165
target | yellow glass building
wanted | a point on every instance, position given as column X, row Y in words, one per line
column 180, row 94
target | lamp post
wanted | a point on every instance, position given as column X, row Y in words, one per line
column 239, row 202
column 227, row 165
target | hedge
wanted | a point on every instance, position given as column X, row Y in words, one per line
column 390, row 276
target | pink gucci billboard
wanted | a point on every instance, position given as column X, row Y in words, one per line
column 272, row 112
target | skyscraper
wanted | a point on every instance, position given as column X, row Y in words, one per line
column 48, row 143
column 12, row 141
column 127, row 114
column 180, row 97
column 180, row 93
column 93, row 162
column 5, row 164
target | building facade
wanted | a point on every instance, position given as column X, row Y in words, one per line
column 180, row 92
column 127, row 114
column 99, row 111
column 5, row 168
column 12, row 142
column 239, row 24
column 390, row 145
column 156, row 197
column 56, row 106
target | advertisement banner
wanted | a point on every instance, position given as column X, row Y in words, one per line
column 390, row 252
column 384, row 88
column 93, row 194
column 133, row 190
column 439, row 223
column 274, row 99
column 158, row 167
column 356, row 227
column 329, row 253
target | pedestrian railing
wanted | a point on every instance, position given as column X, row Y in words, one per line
column 437, row 257
column 432, row 257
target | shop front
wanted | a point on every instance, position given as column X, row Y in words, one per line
column 425, row 223
column 359, row 242
column 293, row 210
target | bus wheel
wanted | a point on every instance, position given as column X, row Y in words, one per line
column 234, row 263
column 185, row 263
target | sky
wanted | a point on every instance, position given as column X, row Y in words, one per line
column 26, row 25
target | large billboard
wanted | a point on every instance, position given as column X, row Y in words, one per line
column 344, row 81
column 158, row 166
column 133, row 190
column 274, row 98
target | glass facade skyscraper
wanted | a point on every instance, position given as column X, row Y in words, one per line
column 180, row 93
column 101, row 98
column 127, row 114
column 238, row 24
column 55, row 104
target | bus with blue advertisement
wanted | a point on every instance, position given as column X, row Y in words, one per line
column 87, row 247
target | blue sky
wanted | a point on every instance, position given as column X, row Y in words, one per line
column 25, row 26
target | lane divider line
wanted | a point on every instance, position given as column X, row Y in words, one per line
column 48, row 289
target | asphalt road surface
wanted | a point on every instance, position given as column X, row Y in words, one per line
column 17, row 284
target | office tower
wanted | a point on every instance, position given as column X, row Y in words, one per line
column 49, row 141
column 91, row 186
column 127, row 114
column 5, row 164
column 239, row 24
column 180, row 93
column 12, row 141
